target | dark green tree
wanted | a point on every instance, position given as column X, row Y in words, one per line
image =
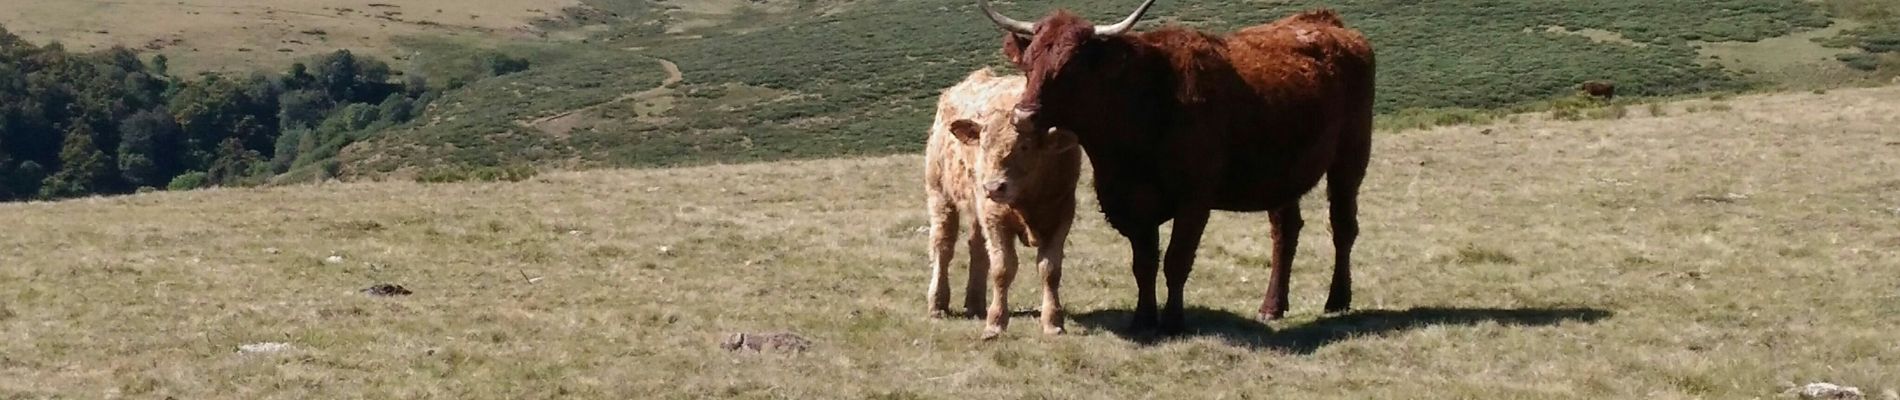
column 161, row 65
column 83, row 169
column 6, row 168
column 143, row 140
column 303, row 109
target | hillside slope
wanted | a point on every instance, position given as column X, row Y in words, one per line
column 1725, row 250
column 248, row 35
column 775, row 80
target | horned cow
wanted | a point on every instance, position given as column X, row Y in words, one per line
column 1015, row 187
column 1177, row 122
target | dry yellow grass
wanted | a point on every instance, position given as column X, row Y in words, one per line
column 242, row 35
column 1718, row 254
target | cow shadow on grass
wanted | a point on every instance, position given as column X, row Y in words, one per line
column 1311, row 336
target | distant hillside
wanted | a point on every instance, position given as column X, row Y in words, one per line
column 247, row 35
column 784, row 79
column 818, row 79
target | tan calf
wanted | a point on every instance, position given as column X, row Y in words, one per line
column 1016, row 187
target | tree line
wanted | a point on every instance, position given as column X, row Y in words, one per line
column 106, row 122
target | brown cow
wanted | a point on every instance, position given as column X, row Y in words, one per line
column 1178, row 122
column 1605, row 90
column 1016, row 187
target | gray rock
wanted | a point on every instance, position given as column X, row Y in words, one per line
column 780, row 341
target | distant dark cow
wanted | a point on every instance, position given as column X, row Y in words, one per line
column 1178, row 122
column 1600, row 89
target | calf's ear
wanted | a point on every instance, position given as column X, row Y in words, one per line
column 967, row 131
column 1061, row 140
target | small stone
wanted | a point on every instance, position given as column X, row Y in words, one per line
column 780, row 341
column 384, row 289
column 1824, row 390
column 263, row 347
column 665, row 250
column 272, row 250
column 333, row 260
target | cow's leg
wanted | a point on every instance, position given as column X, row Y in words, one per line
column 973, row 290
column 1144, row 241
column 1185, row 240
column 1286, row 223
column 1342, row 191
column 1049, row 261
column 943, row 247
column 1002, row 255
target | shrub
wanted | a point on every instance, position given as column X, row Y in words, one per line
column 189, row 181
column 502, row 64
column 513, row 173
column 442, row 175
column 1860, row 61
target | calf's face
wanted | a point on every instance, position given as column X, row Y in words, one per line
column 1007, row 161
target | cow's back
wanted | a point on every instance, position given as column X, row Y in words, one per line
column 1273, row 101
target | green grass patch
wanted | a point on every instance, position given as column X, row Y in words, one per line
column 861, row 78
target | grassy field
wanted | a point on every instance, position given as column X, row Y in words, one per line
column 1729, row 249
column 245, row 35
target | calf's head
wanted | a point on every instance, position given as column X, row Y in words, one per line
column 1063, row 56
column 1008, row 161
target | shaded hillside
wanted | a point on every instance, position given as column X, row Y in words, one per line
column 816, row 79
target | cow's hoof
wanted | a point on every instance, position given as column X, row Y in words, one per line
column 1335, row 308
column 1270, row 316
column 1053, row 330
column 975, row 313
column 991, row 333
column 936, row 314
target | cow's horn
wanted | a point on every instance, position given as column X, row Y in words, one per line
column 1007, row 23
column 1126, row 24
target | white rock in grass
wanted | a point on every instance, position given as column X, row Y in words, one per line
column 333, row 259
column 264, row 347
column 1824, row 390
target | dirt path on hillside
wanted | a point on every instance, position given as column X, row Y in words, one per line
column 562, row 123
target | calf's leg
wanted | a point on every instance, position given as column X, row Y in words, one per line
column 1002, row 255
column 943, row 246
column 973, row 290
column 1049, row 261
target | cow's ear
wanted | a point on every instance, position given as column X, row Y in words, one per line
column 1061, row 140
column 966, row 131
column 1013, row 45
